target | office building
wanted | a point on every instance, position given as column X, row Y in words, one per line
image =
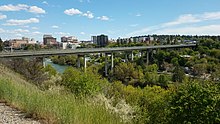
column 49, row 40
column 102, row 40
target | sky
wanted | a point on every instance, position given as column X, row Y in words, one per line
column 115, row 18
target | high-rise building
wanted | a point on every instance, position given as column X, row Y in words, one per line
column 69, row 39
column 94, row 39
column 49, row 40
column 102, row 40
column 69, row 42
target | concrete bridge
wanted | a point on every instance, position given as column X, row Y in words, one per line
column 83, row 52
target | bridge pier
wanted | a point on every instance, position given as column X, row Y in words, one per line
column 106, row 64
column 132, row 56
column 148, row 51
column 126, row 57
column 85, row 63
column 112, row 61
column 78, row 61
column 44, row 63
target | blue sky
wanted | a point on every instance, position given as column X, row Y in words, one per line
column 116, row 18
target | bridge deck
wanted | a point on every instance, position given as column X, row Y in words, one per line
column 87, row 51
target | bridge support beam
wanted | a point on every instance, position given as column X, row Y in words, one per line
column 106, row 64
column 112, row 61
column 132, row 56
column 44, row 62
column 148, row 51
column 78, row 61
column 85, row 63
column 126, row 57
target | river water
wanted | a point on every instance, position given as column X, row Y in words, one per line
column 59, row 68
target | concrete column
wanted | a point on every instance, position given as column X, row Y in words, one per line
column 112, row 58
column 148, row 56
column 78, row 61
column 106, row 64
column 126, row 57
column 85, row 63
column 142, row 53
column 132, row 56
column 44, row 62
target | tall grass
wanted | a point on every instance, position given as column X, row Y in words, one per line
column 52, row 106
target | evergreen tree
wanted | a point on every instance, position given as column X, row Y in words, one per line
column 178, row 74
column 1, row 44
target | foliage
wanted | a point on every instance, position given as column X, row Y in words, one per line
column 126, row 72
column 178, row 74
column 32, row 69
column 81, row 83
column 195, row 103
column 53, row 107
column 51, row 71
column 1, row 45
column 65, row 60
column 150, row 102
column 163, row 80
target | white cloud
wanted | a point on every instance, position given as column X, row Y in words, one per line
column 62, row 33
column 2, row 30
column 45, row 2
column 88, row 14
column 18, row 35
column 133, row 25
column 188, row 18
column 37, row 10
column 25, row 26
column 185, row 24
column 14, row 22
column 55, row 26
column 19, row 7
column 211, row 16
column 192, row 30
column 34, row 28
column 103, row 18
column 72, row 12
column 36, row 33
column 82, row 33
column 138, row 15
column 11, row 7
column 194, row 18
column 2, row 16
column 20, row 31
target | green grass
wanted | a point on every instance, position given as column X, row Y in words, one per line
column 51, row 106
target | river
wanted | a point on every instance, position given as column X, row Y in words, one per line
column 59, row 68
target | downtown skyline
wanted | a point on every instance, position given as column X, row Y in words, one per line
column 84, row 18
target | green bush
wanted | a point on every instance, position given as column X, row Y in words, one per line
column 81, row 83
column 196, row 103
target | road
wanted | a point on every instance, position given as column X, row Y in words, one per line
column 88, row 51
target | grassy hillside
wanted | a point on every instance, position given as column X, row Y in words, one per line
column 50, row 105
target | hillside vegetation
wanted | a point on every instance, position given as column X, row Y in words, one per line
column 50, row 106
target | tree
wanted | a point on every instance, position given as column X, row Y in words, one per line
column 51, row 71
column 178, row 74
column 199, row 69
column 81, row 83
column 163, row 81
column 175, row 61
column 126, row 72
column 1, row 45
column 195, row 103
